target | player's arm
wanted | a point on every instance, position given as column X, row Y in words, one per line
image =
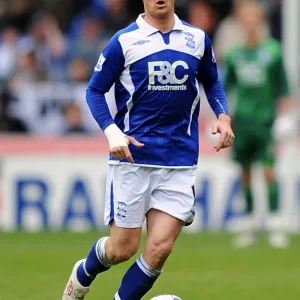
column 228, row 78
column 282, row 83
column 208, row 76
column 286, row 122
column 107, row 71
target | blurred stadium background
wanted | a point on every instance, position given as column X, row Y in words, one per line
column 53, row 156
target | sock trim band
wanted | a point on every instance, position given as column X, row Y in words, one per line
column 146, row 268
column 100, row 252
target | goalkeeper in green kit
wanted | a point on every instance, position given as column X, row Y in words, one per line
column 255, row 72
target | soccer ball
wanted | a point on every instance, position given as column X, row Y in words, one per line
column 166, row 297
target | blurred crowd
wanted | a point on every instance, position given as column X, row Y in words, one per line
column 58, row 42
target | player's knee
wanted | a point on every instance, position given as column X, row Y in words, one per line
column 158, row 252
column 121, row 252
column 246, row 177
column 124, row 254
column 269, row 176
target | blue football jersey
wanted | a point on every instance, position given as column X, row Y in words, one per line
column 155, row 78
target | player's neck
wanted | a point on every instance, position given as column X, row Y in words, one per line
column 253, row 40
column 164, row 25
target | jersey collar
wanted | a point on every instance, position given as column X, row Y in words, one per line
column 149, row 30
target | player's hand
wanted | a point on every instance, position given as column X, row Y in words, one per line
column 118, row 143
column 223, row 126
column 123, row 152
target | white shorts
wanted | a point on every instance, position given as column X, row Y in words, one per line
column 131, row 191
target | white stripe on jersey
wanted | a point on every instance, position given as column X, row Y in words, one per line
column 195, row 103
column 218, row 101
column 111, row 101
column 129, row 86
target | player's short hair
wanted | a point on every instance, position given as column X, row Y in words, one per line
column 252, row 3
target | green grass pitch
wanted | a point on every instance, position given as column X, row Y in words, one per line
column 203, row 266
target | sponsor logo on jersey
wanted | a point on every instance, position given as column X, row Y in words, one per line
column 251, row 73
column 164, row 73
column 142, row 42
column 100, row 63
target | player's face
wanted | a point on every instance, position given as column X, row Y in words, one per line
column 159, row 9
column 251, row 18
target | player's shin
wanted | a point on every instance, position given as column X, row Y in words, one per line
column 276, row 225
column 137, row 281
column 95, row 263
column 247, row 235
column 273, row 197
column 249, row 200
column 248, row 225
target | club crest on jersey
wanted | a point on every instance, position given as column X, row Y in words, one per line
column 190, row 40
column 100, row 63
column 189, row 36
column 191, row 44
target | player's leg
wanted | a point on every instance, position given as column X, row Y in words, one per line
column 275, row 226
column 273, row 188
column 247, row 235
column 160, row 243
column 276, row 229
column 170, row 206
column 125, row 212
column 119, row 247
column 142, row 275
column 267, row 157
column 246, row 188
column 243, row 154
column 122, row 244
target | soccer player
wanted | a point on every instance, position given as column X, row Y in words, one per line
column 255, row 70
column 154, row 66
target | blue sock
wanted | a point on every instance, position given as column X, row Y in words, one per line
column 137, row 282
column 94, row 264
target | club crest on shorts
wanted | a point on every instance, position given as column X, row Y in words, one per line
column 121, row 210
